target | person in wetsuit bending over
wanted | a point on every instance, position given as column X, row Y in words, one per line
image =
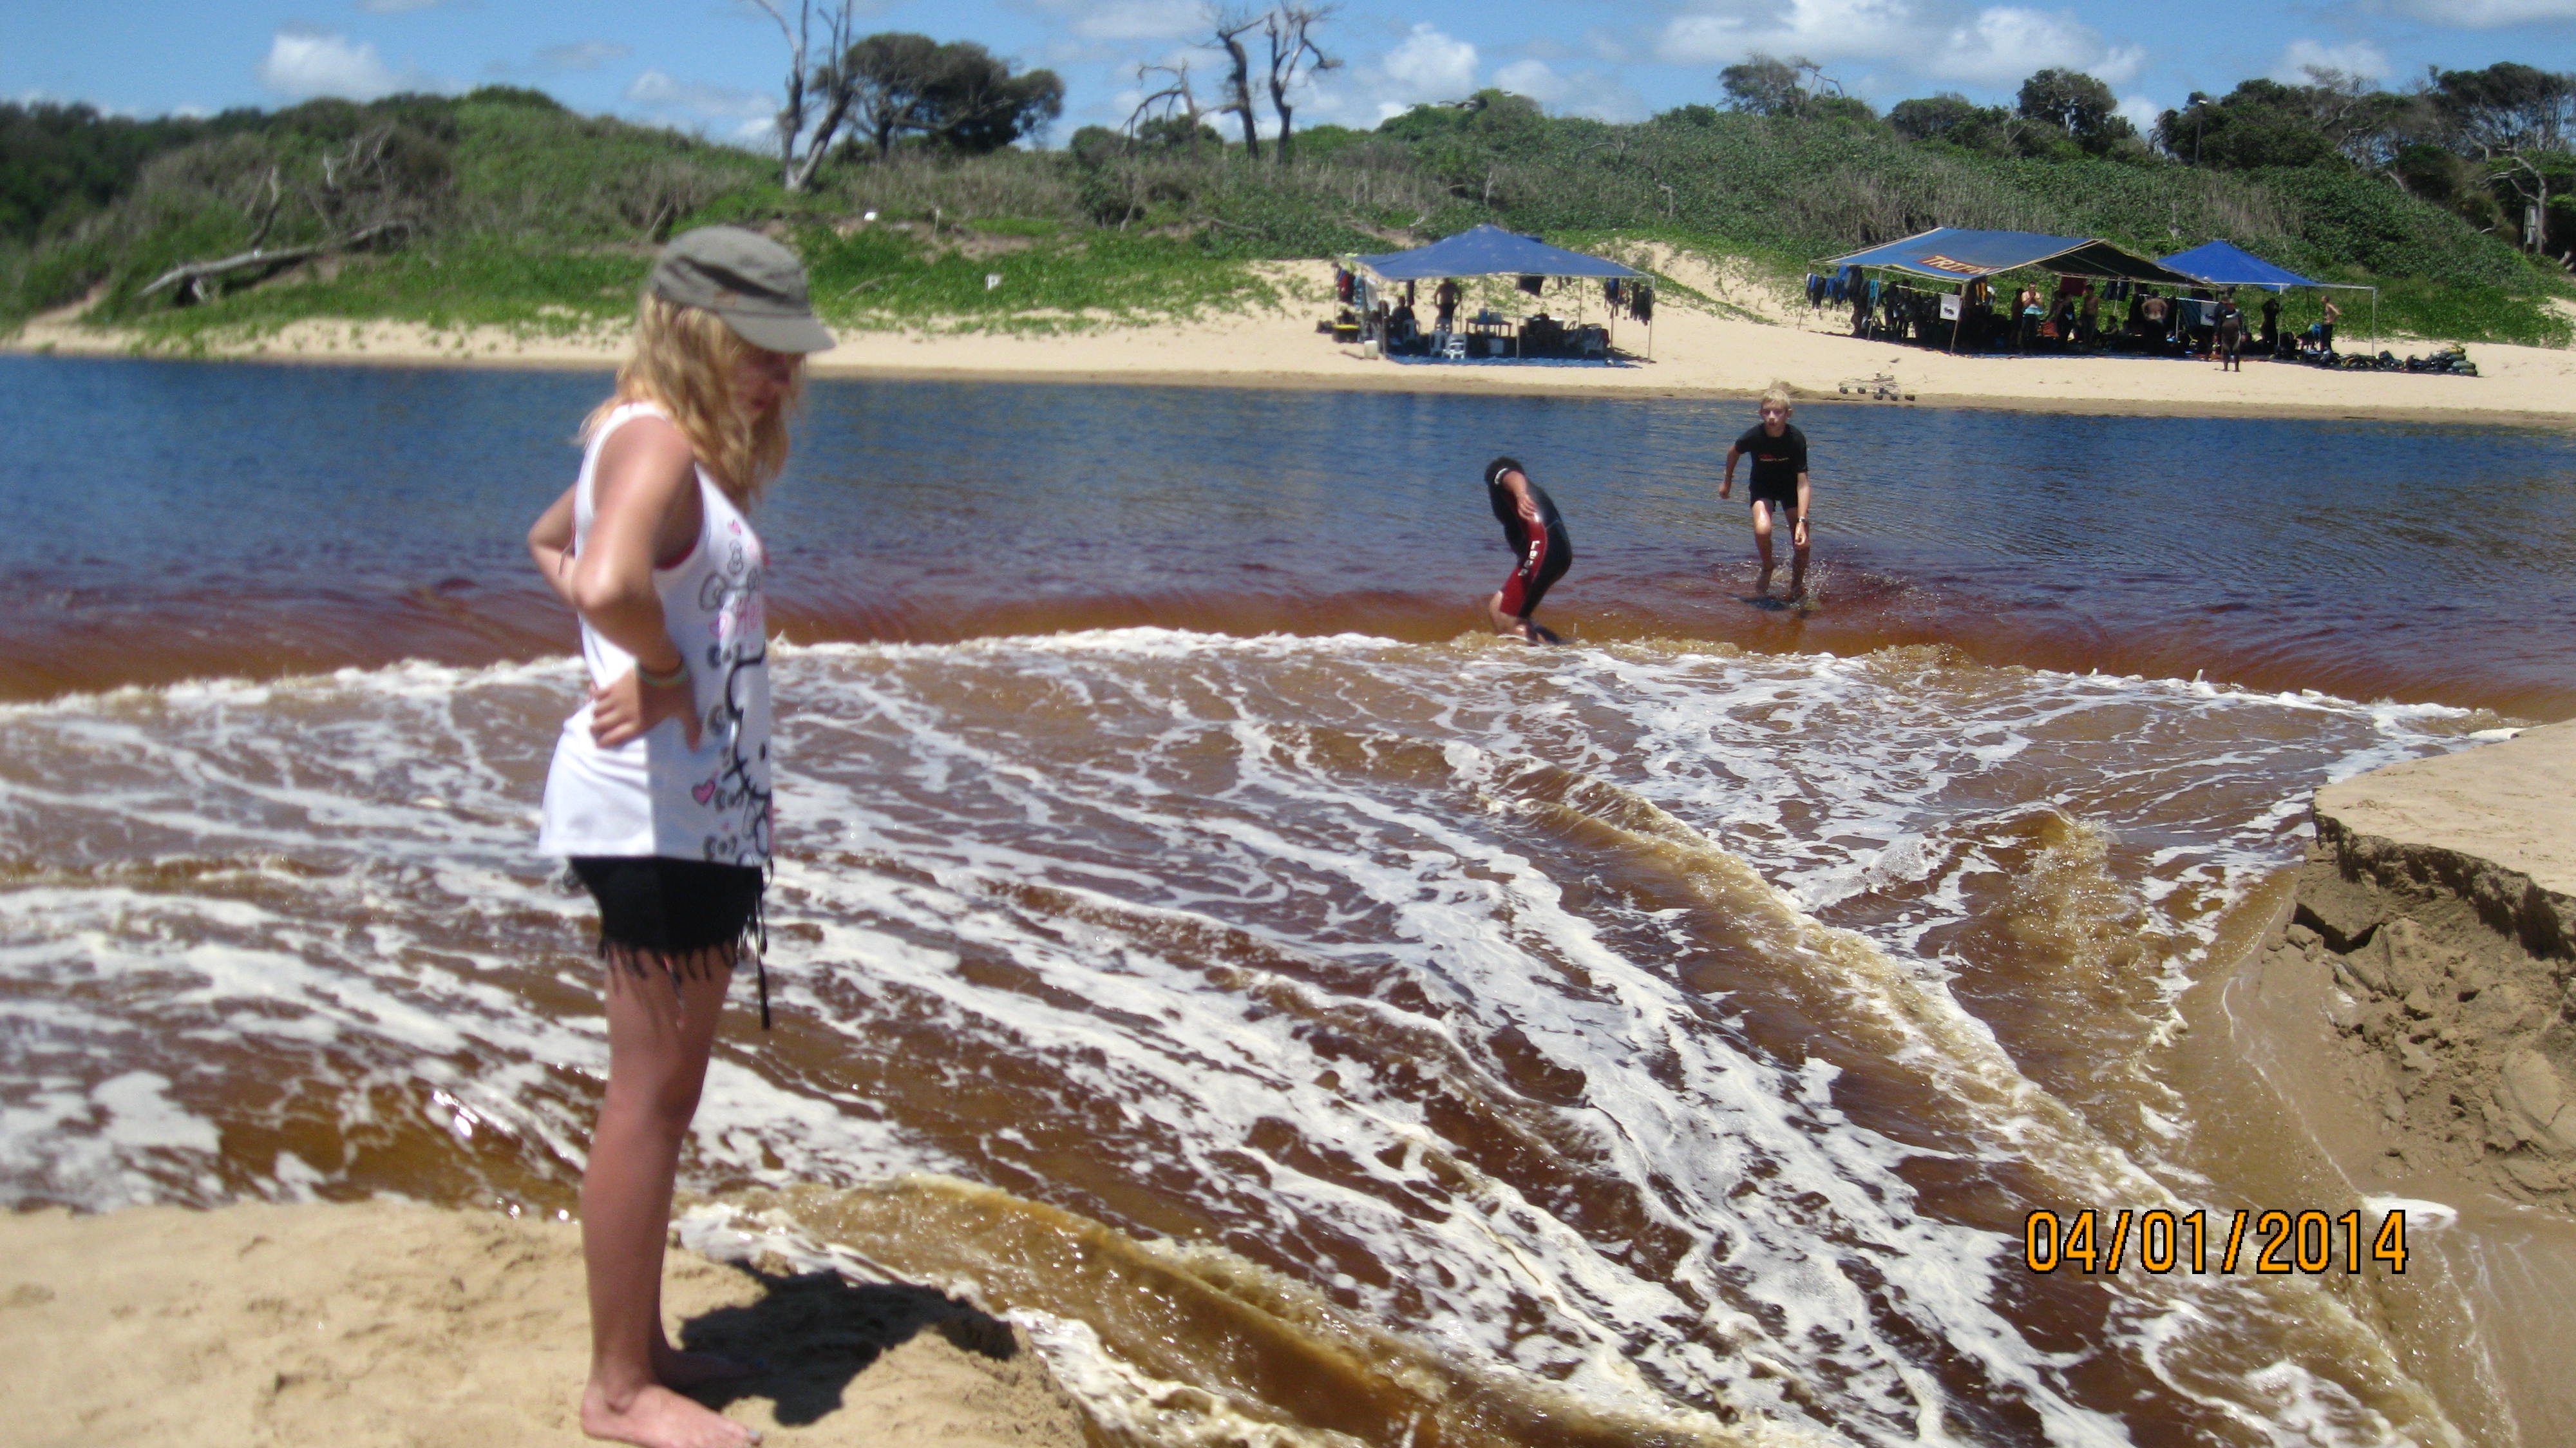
column 1780, row 485
column 1538, row 540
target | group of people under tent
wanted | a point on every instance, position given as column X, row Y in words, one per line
column 1372, row 310
column 2075, row 314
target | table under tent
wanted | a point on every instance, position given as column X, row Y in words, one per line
column 1966, row 260
column 2225, row 264
column 1383, row 294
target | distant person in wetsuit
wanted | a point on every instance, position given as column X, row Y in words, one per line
column 2231, row 335
column 1780, row 485
column 2272, row 324
column 1538, row 540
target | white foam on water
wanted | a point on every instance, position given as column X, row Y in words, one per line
column 1286, row 905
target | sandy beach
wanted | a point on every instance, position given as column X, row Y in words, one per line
column 1760, row 337
column 385, row 1323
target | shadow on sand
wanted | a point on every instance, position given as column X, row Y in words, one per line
column 816, row 1332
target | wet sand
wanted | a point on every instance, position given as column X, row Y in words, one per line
column 1696, row 352
column 385, row 1323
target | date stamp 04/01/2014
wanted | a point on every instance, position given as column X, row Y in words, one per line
column 2159, row 1241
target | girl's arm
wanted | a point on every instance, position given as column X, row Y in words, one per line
column 647, row 509
column 550, row 545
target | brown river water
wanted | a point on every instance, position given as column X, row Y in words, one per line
column 1317, row 1023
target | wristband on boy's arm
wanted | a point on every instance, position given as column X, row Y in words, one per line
column 658, row 679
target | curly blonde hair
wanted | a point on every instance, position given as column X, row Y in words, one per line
column 684, row 361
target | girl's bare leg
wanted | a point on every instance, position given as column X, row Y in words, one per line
column 658, row 1043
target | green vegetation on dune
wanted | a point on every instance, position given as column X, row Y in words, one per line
column 501, row 208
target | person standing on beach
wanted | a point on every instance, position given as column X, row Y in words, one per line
column 1445, row 298
column 1780, row 484
column 2231, row 335
column 2325, row 329
column 659, row 794
column 1539, row 541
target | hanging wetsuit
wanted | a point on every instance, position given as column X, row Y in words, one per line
column 1544, row 556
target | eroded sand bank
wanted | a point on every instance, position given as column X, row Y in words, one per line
column 2411, row 1008
column 2440, row 901
column 386, row 1323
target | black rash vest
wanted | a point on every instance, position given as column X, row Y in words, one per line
column 1777, row 461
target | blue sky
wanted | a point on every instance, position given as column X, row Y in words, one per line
column 714, row 65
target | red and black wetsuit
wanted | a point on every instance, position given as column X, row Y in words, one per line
column 1544, row 557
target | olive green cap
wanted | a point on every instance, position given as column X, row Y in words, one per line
column 755, row 284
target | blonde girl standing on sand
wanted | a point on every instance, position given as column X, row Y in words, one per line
column 659, row 791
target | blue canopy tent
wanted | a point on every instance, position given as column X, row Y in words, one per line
column 2225, row 264
column 1487, row 250
column 1957, row 254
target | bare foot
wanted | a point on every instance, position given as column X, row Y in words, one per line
column 673, row 1368
column 660, row 1418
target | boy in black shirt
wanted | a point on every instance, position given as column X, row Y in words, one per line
column 1539, row 543
column 1780, row 485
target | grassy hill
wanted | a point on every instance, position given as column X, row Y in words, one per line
column 501, row 207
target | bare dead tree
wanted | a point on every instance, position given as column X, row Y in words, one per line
column 387, row 183
column 809, row 85
column 1294, row 58
column 1229, row 26
column 1176, row 98
column 276, row 190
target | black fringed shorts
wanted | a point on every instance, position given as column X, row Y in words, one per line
column 676, row 909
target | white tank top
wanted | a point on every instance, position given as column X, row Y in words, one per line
column 655, row 795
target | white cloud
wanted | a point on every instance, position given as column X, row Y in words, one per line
column 303, row 63
column 1822, row 30
column 1585, row 92
column 1430, row 66
column 1128, row 19
column 2140, row 112
column 1533, row 78
column 582, row 55
column 1427, row 65
column 2359, row 58
column 2005, row 44
column 2488, row 14
column 753, row 116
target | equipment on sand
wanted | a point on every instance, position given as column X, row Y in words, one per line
column 1881, row 388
